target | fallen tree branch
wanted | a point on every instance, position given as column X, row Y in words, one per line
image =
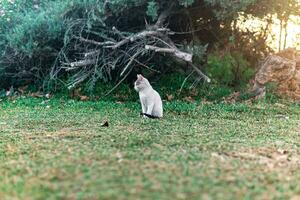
column 91, row 53
column 119, row 52
column 184, row 81
column 117, row 85
column 82, row 63
column 138, row 62
column 199, row 72
column 177, row 53
column 118, row 32
column 133, row 38
column 131, row 59
column 159, row 49
column 95, row 42
column 181, row 56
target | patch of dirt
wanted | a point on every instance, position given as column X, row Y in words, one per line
column 270, row 158
column 64, row 133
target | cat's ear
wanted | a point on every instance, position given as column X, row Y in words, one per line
column 140, row 77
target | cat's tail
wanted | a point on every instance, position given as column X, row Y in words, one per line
column 150, row 116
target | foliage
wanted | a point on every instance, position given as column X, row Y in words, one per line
column 229, row 69
column 186, row 3
column 38, row 36
column 31, row 36
column 225, row 9
column 198, row 50
column 152, row 10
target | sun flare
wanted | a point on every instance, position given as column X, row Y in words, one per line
column 292, row 30
column 293, row 34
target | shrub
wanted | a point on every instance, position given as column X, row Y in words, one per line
column 230, row 69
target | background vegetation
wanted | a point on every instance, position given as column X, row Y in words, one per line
column 38, row 37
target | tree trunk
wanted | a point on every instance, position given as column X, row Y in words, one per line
column 285, row 34
column 280, row 34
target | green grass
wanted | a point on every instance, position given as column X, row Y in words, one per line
column 57, row 149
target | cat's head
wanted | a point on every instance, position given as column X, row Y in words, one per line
column 141, row 83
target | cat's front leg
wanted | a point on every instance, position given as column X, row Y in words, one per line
column 143, row 110
column 150, row 109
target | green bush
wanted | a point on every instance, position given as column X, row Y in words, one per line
column 32, row 34
column 230, row 69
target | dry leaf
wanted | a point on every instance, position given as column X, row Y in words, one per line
column 170, row 97
column 232, row 98
column 36, row 94
column 84, row 98
column 204, row 101
column 189, row 99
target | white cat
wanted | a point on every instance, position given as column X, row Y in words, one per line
column 152, row 106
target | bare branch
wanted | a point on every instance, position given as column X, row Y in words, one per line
column 133, row 38
column 181, row 56
column 142, row 64
column 187, row 57
column 92, row 53
column 95, row 42
column 158, row 49
column 185, row 80
column 117, row 85
column 118, row 32
column 131, row 59
column 81, row 63
column 199, row 72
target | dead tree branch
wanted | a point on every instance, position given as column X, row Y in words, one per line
column 95, row 42
column 175, row 52
column 94, row 56
column 82, row 63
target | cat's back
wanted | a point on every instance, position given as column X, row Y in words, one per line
column 158, row 108
column 157, row 95
column 150, row 95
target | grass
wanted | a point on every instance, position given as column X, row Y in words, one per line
column 57, row 149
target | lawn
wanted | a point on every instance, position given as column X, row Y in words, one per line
column 57, row 149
